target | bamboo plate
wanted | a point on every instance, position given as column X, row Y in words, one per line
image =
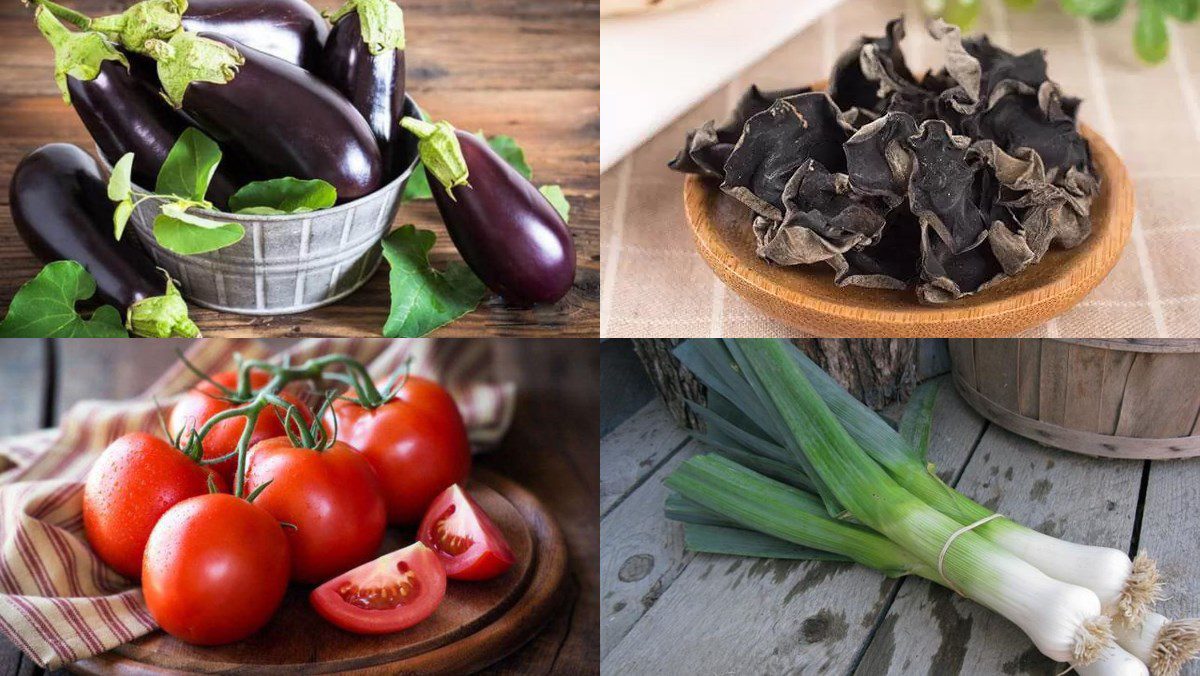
column 805, row 296
column 477, row 624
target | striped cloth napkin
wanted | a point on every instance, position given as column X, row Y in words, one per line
column 58, row 602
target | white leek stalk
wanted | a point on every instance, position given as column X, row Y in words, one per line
column 1064, row 621
column 1126, row 588
column 1165, row 645
column 1114, row 661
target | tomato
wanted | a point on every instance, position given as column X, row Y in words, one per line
column 391, row 593
column 332, row 498
column 133, row 482
column 205, row 400
column 416, row 442
column 216, row 569
column 469, row 545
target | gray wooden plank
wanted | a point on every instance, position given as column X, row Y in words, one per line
column 729, row 615
column 643, row 553
column 109, row 368
column 933, row 358
column 22, row 398
column 931, row 630
column 24, row 377
column 1172, row 495
column 632, row 451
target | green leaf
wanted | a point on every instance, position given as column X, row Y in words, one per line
column 962, row 13
column 417, row 187
column 1093, row 9
column 187, row 239
column 44, row 307
column 1150, row 39
column 507, row 148
column 554, row 194
column 283, row 196
column 423, row 298
column 120, row 183
column 1183, row 10
column 121, row 217
column 916, row 423
column 189, row 166
column 1021, row 5
column 179, row 212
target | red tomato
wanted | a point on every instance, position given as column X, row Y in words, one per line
column 137, row 478
column 204, row 401
column 332, row 498
column 216, row 569
column 469, row 545
column 391, row 593
column 417, row 444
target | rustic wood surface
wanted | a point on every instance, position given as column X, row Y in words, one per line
column 1089, row 397
column 558, row 410
column 879, row 371
column 526, row 69
column 666, row 611
column 805, row 296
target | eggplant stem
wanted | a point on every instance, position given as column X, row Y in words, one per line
column 73, row 17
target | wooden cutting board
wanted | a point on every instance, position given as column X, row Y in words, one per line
column 805, row 296
column 477, row 624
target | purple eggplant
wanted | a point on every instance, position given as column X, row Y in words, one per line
column 364, row 60
column 508, row 233
column 60, row 207
column 120, row 111
column 279, row 116
column 286, row 29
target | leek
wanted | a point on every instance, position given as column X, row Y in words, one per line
column 1064, row 621
column 1126, row 588
column 1165, row 645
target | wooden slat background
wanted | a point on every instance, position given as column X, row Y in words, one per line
column 664, row 610
column 529, row 69
column 551, row 450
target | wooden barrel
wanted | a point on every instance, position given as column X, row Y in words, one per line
column 1137, row 399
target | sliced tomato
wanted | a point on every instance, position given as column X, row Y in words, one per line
column 388, row 594
column 466, row 540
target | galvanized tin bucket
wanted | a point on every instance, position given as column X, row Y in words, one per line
column 288, row 263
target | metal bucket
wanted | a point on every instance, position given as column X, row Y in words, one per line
column 287, row 263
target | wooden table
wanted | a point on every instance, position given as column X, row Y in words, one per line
column 664, row 610
column 528, row 69
column 558, row 410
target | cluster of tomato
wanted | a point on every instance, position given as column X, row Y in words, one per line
column 214, row 567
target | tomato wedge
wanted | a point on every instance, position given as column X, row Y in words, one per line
column 388, row 594
column 469, row 545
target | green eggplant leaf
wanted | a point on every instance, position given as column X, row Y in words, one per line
column 120, row 183
column 507, row 148
column 423, row 298
column 44, row 307
column 554, row 194
column 186, row 238
column 189, row 166
column 283, row 196
column 121, row 216
column 1150, row 39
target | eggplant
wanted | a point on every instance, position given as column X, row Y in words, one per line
column 280, row 116
column 60, row 206
column 286, row 29
column 364, row 60
column 509, row 234
column 120, row 111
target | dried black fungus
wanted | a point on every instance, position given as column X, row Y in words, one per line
column 949, row 183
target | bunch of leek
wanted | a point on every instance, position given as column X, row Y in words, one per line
column 786, row 431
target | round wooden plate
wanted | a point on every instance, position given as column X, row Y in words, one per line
column 805, row 296
column 477, row 624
